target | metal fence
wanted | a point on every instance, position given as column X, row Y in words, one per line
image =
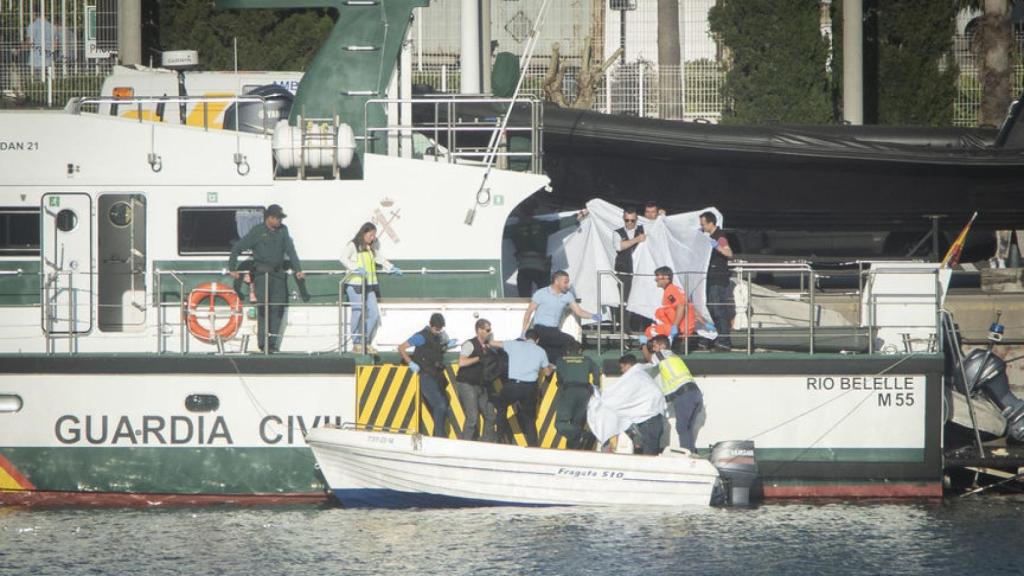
column 968, row 94
column 51, row 50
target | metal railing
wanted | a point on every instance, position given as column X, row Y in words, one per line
column 345, row 332
column 457, row 119
column 864, row 330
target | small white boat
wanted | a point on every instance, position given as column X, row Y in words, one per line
column 384, row 469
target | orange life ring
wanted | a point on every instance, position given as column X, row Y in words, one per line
column 211, row 291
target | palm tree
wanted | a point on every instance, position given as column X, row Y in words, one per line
column 993, row 38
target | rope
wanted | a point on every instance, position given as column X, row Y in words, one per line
column 492, row 146
column 856, row 407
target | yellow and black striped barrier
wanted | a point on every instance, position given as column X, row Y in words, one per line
column 388, row 398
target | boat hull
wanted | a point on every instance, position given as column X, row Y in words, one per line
column 365, row 468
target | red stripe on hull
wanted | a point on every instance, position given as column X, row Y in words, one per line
column 44, row 499
column 879, row 490
column 13, row 472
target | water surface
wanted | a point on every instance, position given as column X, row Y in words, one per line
column 964, row 536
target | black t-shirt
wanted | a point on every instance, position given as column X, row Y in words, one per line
column 718, row 267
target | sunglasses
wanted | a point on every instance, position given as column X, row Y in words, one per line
column 629, row 220
column 486, row 329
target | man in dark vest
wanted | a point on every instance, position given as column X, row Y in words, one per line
column 474, row 383
column 427, row 360
column 624, row 242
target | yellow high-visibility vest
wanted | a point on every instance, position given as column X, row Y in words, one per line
column 673, row 371
column 365, row 261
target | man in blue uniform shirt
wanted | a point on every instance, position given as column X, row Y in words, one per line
column 546, row 309
column 526, row 362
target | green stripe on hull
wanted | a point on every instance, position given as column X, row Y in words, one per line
column 867, row 455
column 290, row 470
column 323, row 290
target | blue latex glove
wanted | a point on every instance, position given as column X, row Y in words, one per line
column 396, row 271
column 414, row 367
column 452, row 343
column 360, row 271
column 642, row 339
column 673, row 332
column 714, row 243
column 597, row 317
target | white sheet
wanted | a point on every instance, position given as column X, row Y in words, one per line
column 631, row 399
column 675, row 241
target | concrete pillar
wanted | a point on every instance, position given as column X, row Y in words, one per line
column 853, row 61
column 129, row 31
column 471, row 49
column 485, row 45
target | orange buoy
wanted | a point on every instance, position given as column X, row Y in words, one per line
column 210, row 292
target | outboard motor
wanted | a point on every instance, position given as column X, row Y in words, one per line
column 986, row 373
column 278, row 104
column 735, row 462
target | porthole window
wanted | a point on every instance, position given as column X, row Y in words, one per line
column 66, row 220
column 10, row 403
column 120, row 214
column 202, row 403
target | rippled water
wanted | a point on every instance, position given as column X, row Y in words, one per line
column 979, row 536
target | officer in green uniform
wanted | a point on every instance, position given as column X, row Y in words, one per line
column 270, row 243
column 576, row 375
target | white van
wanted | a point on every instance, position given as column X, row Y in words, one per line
column 140, row 81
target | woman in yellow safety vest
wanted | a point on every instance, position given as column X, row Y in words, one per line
column 361, row 258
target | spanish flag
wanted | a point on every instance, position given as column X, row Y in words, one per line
column 953, row 255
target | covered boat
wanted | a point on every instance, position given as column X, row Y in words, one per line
column 391, row 470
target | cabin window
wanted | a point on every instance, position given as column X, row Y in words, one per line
column 202, row 403
column 19, row 231
column 215, row 230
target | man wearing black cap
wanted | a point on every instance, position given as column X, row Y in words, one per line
column 270, row 244
column 427, row 360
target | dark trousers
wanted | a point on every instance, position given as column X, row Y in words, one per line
column 571, row 413
column 272, row 299
column 647, row 436
column 722, row 307
column 553, row 341
column 529, row 280
column 524, row 396
column 432, row 390
column 687, row 402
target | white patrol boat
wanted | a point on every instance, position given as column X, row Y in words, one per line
column 124, row 380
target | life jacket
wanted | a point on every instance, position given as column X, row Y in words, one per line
column 484, row 372
column 430, row 356
column 673, row 371
column 624, row 258
column 366, row 261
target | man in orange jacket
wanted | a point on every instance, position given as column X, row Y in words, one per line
column 676, row 315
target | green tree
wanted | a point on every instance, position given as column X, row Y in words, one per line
column 267, row 39
column 916, row 84
column 778, row 70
